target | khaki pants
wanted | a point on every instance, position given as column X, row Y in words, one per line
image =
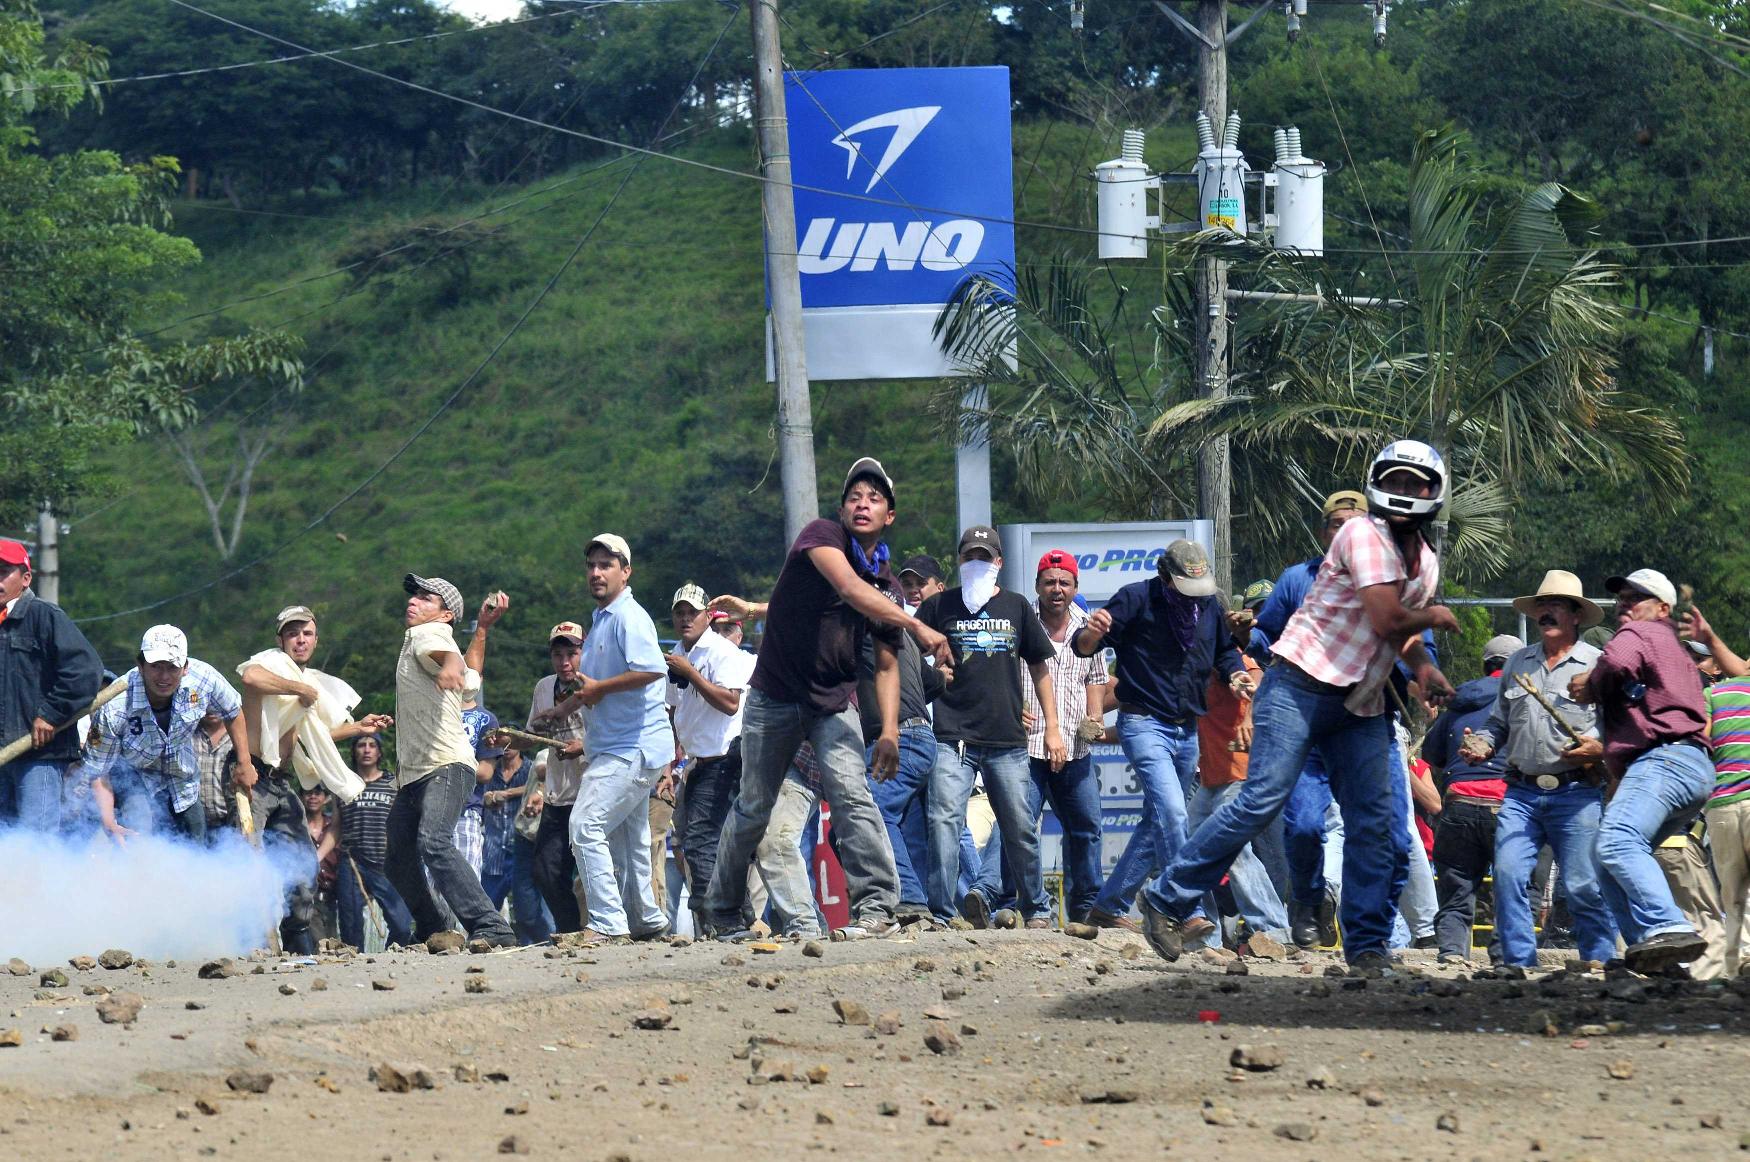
column 661, row 815
column 1693, row 891
column 1728, row 830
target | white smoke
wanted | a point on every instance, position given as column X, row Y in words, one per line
column 157, row 897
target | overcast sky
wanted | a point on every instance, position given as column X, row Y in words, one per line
column 486, row 9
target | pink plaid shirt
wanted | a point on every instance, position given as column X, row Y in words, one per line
column 1330, row 637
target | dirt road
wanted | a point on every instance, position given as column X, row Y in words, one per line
column 1049, row 1046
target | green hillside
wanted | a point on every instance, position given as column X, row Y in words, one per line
column 632, row 400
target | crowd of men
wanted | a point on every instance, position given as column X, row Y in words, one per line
column 1274, row 737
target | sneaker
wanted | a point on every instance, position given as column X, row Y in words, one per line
column 1005, row 918
column 1327, row 919
column 736, row 935
column 1165, row 933
column 1303, row 925
column 1100, row 918
column 1038, row 923
column 864, row 930
column 1656, row 953
column 1425, row 942
column 505, row 939
column 976, row 911
column 1372, row 964
column 661, row 933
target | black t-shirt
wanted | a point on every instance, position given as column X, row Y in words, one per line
column 982, row 704
column 813, row 639
column 364, row 822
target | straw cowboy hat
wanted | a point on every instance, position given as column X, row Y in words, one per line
column 1561, row 583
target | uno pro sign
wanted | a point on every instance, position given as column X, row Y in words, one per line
column 908, row 193
column 1108, row 556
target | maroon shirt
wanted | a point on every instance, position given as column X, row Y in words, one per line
column 1673, row 708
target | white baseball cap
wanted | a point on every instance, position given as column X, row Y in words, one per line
column 1649, row 581
column 165, row 643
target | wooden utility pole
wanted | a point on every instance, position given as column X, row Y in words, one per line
column 1214, row 487
column 46, row 568
column 795, row 415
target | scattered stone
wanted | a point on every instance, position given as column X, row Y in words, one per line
column 1237, row 968
column 1712, row 1121
column 193, row 1006
column 1256, row 1058
column 111, row 958
column 1446, row 988
column 467, row 1074
column 392, row 1078
column 923, row 964
column 54, row 978
column 327, row 1083
column 1130, row 952
column 249, row 1081
column 383, row 984
column 1216, row 955
column 939, row 1116
column 967, row 1030
column 1268, row 948
column 952, row 992
column 1373, row 1097
column 732, row 959
column 850, row 1012
column 442, row 942
column 680, row 941
column 1215, row 1115
column 750, row 1103
column 818, row 1075
column 17, row 967
column 815, row 949
column 1622, row 1069
column 479, row 945
column 1543, row 1022
column 1081, row 931
column 888, row 1109
column 288, row 989
column 120, row 1008
column 941, row 1040
column 822, row 1118
column 208, row 1105
column 764, row 947
column 512, row 1144
column 82, row 963
column 319, row 985
column 63, row 1033
column 1447, row 1123
column 887, row 1024
column 653, row 1019
column 11, row 1038
column 476, row 984
column 1297, row 1131
column 518, row 1110
column 1321, row 1079
column 1115, row 1097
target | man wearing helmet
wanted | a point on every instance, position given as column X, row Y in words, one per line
column 1368, row 607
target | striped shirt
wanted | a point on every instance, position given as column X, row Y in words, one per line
column 126, row 730
column 1330, row 637
column 1070, row 678
column 1728, row 713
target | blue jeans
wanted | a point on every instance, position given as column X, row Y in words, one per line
column 1567, row 819
column 1294, row 713
column 145, row 802
column 901, row 801
column 1010, row 786
column 30, row 794
column 1074, row 793
column 396, row 917
column 1164, row 757
column 771, row 734
column 1254, row 895
column 1659, row 795
column 528, row 911
column 1304, row 822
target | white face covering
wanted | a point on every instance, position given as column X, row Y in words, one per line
column 978, row 582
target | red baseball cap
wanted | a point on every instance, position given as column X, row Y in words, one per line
column 1058, row 559
column 13, row 553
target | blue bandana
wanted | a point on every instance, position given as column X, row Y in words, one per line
column 863, row 561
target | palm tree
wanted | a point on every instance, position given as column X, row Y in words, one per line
column 1500, row 354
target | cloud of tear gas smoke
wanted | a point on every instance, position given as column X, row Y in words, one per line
column 157, row 897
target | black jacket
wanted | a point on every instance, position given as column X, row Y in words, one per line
column 47, row 670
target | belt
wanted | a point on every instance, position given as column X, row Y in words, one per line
column 1144, row 712
column 914, row 723
column 1474, row 801
column 262, row 768
column 1549, row 781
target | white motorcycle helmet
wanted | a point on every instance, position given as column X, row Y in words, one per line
column 1419, row 458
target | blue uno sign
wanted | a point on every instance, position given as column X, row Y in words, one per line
column 924, row 156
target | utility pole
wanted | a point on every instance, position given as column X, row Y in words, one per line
column 795, row 415
column 1214, row 486
column 46, row 567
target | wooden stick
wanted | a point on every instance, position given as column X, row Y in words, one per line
column 1530, row 688
column 369, row 902
column 246, row 824
column 24, row 744
column 525, row 736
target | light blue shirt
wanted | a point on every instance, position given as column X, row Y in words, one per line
column 632, row 724
column 126, row 731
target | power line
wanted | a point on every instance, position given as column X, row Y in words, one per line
column 455, row 395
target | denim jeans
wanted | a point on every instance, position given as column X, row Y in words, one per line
column 610, row 839
column 1464, row 850
column 30, row 794
column 771, row 733
column 1009, row 784
column 710, row 789
column 1306, row 820
column 556, row 867
column 278, row 809
column 1292, row 714
column 396, row 918
column 1566, row 819
column 1164, row 757
column 528, row 912
column 1417, row 901
column 1253, row 894
column 784, row 857
column 1659, row 795
column 903, row 805
column 144, row 802
column 422, row 826
column 1074, row 794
